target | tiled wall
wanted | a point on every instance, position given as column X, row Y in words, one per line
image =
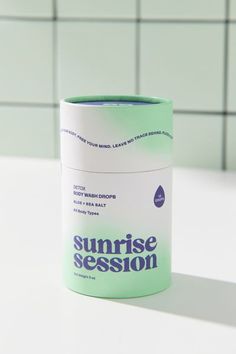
column 184, row 50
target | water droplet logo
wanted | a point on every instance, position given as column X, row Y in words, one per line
column 159, row 197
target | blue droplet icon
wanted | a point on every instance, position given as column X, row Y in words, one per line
column 159, row 197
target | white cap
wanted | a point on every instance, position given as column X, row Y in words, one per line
column 116, row 133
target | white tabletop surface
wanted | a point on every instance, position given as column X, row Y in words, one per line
column 197, row 315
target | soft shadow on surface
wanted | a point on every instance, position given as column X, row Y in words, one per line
column 196, row 297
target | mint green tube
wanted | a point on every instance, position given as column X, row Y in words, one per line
column 116, row 154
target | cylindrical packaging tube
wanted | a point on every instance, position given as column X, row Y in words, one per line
column 116, row 154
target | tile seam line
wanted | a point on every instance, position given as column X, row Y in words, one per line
column 56, row 105
column 225, row 85
column 137, row 48
column 28, row 104
column 115, row 19
column 54, row 77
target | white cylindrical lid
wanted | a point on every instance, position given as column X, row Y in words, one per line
column 116, row 133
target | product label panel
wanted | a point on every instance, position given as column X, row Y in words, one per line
column 117, row 231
